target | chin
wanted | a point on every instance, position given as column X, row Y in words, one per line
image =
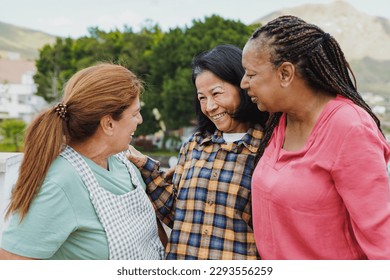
column 261, row 108
column 222, row 128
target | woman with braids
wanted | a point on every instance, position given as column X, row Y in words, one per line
column 320, row 189
column 77, row 195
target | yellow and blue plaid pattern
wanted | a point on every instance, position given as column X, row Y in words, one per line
column 208, row 202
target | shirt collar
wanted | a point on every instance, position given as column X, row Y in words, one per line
column 251, row 139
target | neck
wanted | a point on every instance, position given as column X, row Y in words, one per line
column 240, row 128
column 301, row 122
column 308, row 109
column 94, row 151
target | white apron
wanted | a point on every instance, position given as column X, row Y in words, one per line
column 129, row 220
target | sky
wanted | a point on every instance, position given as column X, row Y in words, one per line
column 71, row 18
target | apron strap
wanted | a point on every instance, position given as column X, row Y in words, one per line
column 134, row 178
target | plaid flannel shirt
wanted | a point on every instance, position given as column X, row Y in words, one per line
column 208, row 202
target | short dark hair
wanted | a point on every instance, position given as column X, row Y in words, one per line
column 225, row 61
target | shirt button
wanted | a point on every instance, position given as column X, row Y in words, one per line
column 215, row 174
column 205, row 231
column 211, row 202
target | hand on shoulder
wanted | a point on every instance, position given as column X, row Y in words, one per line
column 136, row 157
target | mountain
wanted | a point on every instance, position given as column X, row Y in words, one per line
column 22, row 40
column 364, row 39
column 360, row 35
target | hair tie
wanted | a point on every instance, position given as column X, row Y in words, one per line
column 325, row 37
column 61, row 110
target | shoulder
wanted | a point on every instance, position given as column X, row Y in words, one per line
column 62, row 172
column 198, row 137
column 64, row 177
column 256, row 131
column 252, row 138
column 195, row 139
column 344, row 114
column 350, row 125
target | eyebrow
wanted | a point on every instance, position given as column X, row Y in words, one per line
column 217, row 87
column 138, row 109
column 212, row 89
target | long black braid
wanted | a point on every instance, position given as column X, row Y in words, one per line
column 317, row 57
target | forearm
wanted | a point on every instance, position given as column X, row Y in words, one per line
column 160, row 184
column 161, row 190
column 5, row 255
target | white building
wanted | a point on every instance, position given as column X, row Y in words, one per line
column 17, row 88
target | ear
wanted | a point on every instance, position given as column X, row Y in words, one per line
column 286, row 73
column 107, row 125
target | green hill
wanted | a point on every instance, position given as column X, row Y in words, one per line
column 25, row 41
column 372, row 75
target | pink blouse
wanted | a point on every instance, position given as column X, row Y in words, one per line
column 329, row 200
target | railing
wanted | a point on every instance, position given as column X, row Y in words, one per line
column 9, row 169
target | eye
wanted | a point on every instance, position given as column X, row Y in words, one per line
column 249, row 75
column 201, row 98
column 136, row 114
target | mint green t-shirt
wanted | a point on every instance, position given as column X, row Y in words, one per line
column 61, row 222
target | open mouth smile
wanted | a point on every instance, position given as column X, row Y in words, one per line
column 218, row 116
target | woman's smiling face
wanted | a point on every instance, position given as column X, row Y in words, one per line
column 127, row 125
column 218, row 101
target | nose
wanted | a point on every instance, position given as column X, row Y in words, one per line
column 244, row 82
column 211, row 105
column 140, row 119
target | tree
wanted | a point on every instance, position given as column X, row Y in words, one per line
column 172, row 91
column 161, row 60
column 58, row 62
column 54, row 68
column 12, row 132
column 178, row 99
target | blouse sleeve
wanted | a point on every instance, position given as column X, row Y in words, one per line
column 360, row 176
column 163, row 192
column 48, row 223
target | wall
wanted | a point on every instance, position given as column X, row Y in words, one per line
column 9, row 169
